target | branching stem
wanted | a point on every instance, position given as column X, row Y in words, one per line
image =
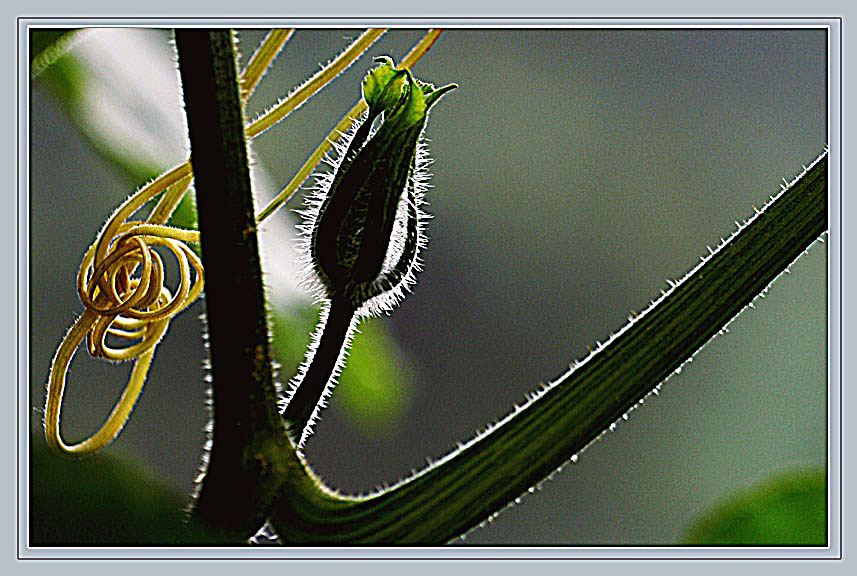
column 254, row 471
column 481, row 478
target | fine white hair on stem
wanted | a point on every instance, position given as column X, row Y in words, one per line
column 301, row 436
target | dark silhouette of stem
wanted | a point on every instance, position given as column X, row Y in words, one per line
column 248, row 434
column 322, row 366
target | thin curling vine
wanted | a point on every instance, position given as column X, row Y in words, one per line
column 135, row 310
column 121, row 278
column 364, row 228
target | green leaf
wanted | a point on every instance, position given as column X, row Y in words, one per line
column 789, row 509
column 41, row 39
column 67, row 79
column 102, row 500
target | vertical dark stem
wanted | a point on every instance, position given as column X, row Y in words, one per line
column 247, row 428
column 322, row 366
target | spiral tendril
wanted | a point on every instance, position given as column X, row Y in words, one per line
column 121, row 286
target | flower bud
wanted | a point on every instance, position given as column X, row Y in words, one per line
column 367, row 231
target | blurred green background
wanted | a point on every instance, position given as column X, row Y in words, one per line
column 575, row 171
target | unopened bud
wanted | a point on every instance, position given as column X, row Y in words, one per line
column 367, row 231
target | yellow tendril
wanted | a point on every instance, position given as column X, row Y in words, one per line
column 121, row 278
column 132, row 309
column 262, row 59
column 321, row 79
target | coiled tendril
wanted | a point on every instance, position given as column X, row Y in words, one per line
column 121, row 286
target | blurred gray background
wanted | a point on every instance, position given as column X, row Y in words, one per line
column 575, row 171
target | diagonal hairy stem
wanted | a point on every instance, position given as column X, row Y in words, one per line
column 485, row 475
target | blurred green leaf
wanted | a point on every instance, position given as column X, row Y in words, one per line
column 787, row 510
column 374, row 388
column 43, row 38
column 64, row 76
column 101, row 500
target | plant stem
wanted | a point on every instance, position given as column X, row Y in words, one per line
column 249, row 442
column 473, row 483
column 323, row 364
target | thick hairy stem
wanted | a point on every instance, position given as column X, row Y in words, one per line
column 249, row 443
column 478, row 480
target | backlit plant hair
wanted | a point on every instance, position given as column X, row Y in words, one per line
column 257, row 476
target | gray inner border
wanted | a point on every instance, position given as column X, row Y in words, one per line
column 835, row 256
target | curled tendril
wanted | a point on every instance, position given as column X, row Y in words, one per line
column 121, row 278
column 121, row 286
column 137, row 308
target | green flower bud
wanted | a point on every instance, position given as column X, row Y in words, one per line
column 367, row 229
